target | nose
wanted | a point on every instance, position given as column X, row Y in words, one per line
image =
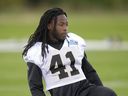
column 65, row 28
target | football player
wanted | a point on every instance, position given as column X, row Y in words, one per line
column 58, row 57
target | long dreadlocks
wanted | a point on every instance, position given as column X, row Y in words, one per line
column 41, row 33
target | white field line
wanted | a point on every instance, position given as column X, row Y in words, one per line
column 13, row 45
column 106, row 45
column 116, row 84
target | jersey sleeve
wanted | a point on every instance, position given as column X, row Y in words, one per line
column 35, row 80
column 34, row 55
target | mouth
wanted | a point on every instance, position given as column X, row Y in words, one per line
column 63, row 35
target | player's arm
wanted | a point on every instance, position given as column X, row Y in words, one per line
column 90, row 72
column 35, row 80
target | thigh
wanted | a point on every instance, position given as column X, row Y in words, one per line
column 101, row 91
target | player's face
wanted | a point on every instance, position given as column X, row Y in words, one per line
column 60, row 30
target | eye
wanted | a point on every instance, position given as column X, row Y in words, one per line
column 61, row 24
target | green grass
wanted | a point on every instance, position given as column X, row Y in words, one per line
column 89, row 26
column 13, row 76
column 100, row 26
column 112, row 68
column 110, row 65
column 15, row 31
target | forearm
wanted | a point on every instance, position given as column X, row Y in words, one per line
column 35, row 80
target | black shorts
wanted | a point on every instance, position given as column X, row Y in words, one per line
column 82, row 88
column 87, row 89
column 97, row 91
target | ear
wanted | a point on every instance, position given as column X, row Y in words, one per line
column 49, row 26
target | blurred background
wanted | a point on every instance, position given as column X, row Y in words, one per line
column 102, row 23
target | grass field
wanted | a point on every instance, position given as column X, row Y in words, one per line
column 111, row 65
column 89, row 26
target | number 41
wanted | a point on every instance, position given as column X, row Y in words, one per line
column 56, row 59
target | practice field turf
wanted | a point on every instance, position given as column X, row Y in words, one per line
column 111, row 66
column 89, row 26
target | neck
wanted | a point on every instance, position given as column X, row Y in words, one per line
column 53, row 39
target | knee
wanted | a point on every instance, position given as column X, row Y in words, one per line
column 110, row 92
